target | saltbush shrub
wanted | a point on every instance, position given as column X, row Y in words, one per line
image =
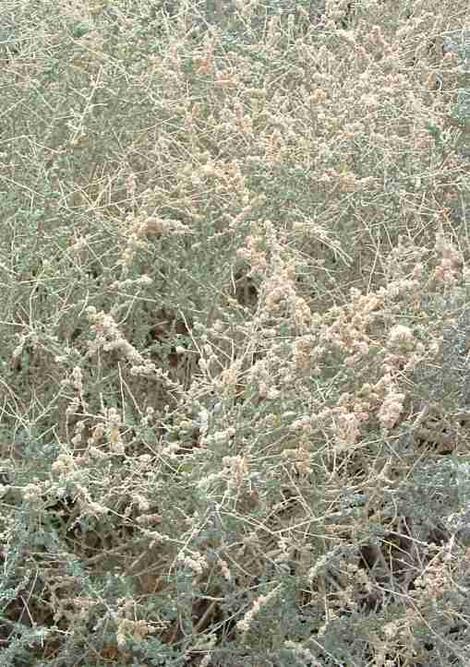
column 235, row 327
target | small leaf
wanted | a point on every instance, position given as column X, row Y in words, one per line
column 80, row 29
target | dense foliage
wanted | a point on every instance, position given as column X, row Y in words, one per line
column 234, row 333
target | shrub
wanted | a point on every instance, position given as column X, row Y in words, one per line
column 234, row 364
